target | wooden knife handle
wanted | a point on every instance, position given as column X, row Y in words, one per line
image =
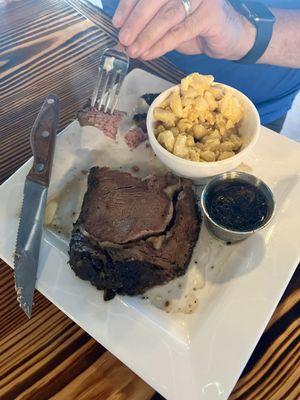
column 42, row 139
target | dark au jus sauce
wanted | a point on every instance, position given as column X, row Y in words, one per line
column 237, row 205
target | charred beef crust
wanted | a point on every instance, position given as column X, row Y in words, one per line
column 123, row 277
column 134, row 267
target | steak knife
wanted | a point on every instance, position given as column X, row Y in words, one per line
column 26, row 257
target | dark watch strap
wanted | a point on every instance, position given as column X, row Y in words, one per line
column 263, row 38
column 262, row 18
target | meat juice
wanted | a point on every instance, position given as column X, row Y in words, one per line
column 237, row 205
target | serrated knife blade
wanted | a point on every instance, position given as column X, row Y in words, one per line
column 30, row 230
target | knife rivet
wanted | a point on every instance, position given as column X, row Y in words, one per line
column 50, row 101
column 40, row 167
column 45, row 134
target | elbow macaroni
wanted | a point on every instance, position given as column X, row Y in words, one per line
column 199, row 121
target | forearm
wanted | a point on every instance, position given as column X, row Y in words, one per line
column 284, row 48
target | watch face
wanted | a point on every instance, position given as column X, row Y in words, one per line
column 258, row 12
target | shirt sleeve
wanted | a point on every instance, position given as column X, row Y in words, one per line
column 284, row 4
column 109, row 6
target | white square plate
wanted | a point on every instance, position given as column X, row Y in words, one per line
column 196, row 356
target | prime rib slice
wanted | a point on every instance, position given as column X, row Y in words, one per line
column 133, row 234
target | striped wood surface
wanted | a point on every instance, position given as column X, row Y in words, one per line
column 48, row 45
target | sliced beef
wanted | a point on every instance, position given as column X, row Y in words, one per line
column 135, row 137
column 107, row 123
column 134, row 234
column 114, row 206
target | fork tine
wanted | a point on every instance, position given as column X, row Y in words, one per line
column 111, row 89
column 112, row 69
column 96, row 88
column 102, row 90
column 119, row 81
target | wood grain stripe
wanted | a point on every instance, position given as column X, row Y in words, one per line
column 276, row 357
column 107, row 379
column 39, row 345
column 11, row 316
column 273, row 344
column 288, row 303
column 47, row 62
column 21, row 37
column 293, row 393
column 71, row 366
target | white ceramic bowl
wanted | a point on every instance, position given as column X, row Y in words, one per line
column 199, row 172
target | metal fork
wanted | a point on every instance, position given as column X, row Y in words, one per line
column 112, row 70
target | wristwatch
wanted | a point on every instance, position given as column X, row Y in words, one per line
column 262, row 18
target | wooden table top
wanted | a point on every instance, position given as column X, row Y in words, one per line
column 48, row 45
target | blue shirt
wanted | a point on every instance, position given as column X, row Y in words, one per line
column 272, row 89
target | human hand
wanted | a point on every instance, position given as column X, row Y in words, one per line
column 149, row 29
